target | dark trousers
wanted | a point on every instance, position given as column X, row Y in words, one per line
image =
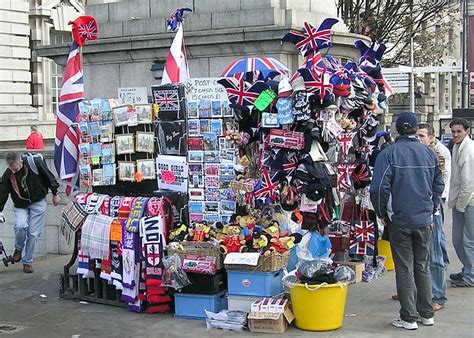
column 410, row 250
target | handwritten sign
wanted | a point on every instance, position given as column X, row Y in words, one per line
column 116, row 231
column 245, row 258
column 133, row 95
column 205, row 88
column 172, row 173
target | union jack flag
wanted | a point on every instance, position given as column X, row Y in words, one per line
column 241, row 92
column 314, row 62
column 290, row 164
column 267, row 189
column 361, row 248
column 66, row 153
column 312, row 39
column 316, row 83
column 167, row 99
column 88, row 30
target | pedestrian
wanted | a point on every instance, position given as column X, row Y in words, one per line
column 461, row 200
column 35, row 140
column 406, row 188
column 27, row 180
column 438, row 245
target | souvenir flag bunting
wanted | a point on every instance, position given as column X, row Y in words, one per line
column 66, row 142
column 241, row 92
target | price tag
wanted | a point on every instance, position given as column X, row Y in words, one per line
column 116, row 231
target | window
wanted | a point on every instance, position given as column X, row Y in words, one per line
column 56, row 70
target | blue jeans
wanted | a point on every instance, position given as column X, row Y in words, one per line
column 438, row 265
column 29, row 223
column 444, row 242
column 463, row 241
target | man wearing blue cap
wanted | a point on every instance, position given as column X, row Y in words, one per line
column 406, row 189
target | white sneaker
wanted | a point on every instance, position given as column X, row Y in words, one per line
column 397, row 322
column 426, row 321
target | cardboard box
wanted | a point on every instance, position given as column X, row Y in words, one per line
column 358, row 268
column 269, row 322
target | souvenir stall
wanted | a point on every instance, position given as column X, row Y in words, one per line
column 203, row 199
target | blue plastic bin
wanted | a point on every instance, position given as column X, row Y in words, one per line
column 193, row 305
column 248, row 283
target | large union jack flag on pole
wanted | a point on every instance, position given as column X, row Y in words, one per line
column 66, row 141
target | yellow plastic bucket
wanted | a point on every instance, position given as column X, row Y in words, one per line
column 385, row 250
column 319, row 307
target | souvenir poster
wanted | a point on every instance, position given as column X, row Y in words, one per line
column 172, row 137
column 147, row 169
column 126, row 171
column 211, row 156
column 210, row 141
column 224, row 181
column 85, row 153
column 95, row 112
column 172, row 173
column 124, row 144
column 211, row 181
column 145, row 142
column 120, row 114
column 144, row 113
column 204, row 126
column 193, row 110
column 204, row 108
column 170, row 99
column 211, row 169
column 226, row 109
column 96, row 153
column 211, row 207
column 132, row 116
column 196, row 180
column 94, row 129
column 106, row 133
column 212, row 218
column 196, row 218
column 195, row 168
column 226, row 169
column 84, row 110
column 212, row 194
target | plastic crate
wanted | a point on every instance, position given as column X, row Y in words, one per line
column 241, row 303
column 193, row 305
column 206, row 284
column 251, row 283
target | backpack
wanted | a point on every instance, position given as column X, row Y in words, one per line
column 30, row 159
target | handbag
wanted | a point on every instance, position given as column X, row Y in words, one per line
column 363, row 235
column 72, row 219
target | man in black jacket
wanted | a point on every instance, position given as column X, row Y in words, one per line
column 27, row 180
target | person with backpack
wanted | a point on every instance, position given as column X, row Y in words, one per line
column 27, row 180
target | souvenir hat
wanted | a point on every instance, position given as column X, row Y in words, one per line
column 298, row 85
column 284, row 88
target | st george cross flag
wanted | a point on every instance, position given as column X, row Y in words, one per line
column 176, row 66
column 67, row 139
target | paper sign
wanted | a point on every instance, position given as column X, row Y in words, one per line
column 133, row 95
column 172, row 173
column 205, row 88
column 116, row 231
column 246, row 258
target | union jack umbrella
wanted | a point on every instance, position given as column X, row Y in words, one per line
column 241, row 92
column 317, row 83
column 362, row 248
column 262, row 65
column 84, row 28
column 267, row 189
column 344, row 174
column 312, row 39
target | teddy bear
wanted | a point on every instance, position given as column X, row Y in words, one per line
column 199, row 232
column 247, row 224
column 288, row 242
column 260, row 241
column 232, row 241
column 179, row 233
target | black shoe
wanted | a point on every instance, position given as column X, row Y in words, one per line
column 461, row 284
column 455, row 276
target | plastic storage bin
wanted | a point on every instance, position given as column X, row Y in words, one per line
column 206, row 284
column 241, row 303
column 193, row 305
column 260, row 284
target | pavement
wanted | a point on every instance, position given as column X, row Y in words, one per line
column 30, row 307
